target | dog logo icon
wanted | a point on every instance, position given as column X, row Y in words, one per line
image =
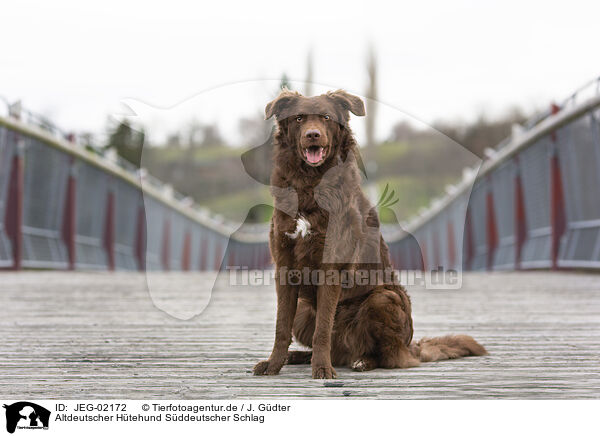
column 26, row 415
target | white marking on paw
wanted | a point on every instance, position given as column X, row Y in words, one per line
column 359, row 364
column 302, row 228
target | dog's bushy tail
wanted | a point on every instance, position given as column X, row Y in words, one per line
column 446, row 347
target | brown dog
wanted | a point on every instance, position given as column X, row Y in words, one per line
column 350, row 311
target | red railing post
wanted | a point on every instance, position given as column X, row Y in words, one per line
column 187, row 251
column 558, row 218
column 491, row 229
column 140, row 239
column 231, row 254
column 416, row 255
column 469, row 249
column 14, row 204
column 166, row 245
column 109, row 231
column 520, row 220
column 203, row 254
column 436, row 250
column 399, row 258
column 69, row 224
column 218, row 255
column 423, row 248
column 266, row 256
column 451, row 244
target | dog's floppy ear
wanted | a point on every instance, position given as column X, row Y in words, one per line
column 349, row 102
column 282, row 101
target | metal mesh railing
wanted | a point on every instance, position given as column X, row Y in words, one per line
column 62, row 206
column 535, row 203
column 6, row 154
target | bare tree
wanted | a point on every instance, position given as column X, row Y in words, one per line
column 309, row 74
column 371, row 95
column 193, row 133
column 211, row 136
column 402, row 131
column 254, row 130
column 173, row 140
column 127, row 141
column 285, row 82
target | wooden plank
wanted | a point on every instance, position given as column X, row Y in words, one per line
column 96, row 335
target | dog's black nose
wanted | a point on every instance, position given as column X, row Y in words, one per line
column 313, row 134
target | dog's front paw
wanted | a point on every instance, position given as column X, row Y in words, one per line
column 266, row 367
column 363, row 364
column 323, row 372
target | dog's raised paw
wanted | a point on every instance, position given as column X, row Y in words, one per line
column 359, row 365
column 362, row 364
column 324, row 372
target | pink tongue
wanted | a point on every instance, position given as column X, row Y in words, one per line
column 314, row 156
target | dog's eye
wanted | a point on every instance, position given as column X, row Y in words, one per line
column 299, row 118
column 326, row 117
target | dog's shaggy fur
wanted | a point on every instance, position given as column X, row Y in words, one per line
column 323, row 222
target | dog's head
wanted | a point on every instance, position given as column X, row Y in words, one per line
column 314, row 126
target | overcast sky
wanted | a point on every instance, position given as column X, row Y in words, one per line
column 75, row 61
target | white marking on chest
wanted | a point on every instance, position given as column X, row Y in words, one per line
column 302, row 228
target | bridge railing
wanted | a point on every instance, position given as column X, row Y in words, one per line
column 534, row 204
column 63, row 206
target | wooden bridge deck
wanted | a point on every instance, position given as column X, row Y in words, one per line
column 98, row 335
